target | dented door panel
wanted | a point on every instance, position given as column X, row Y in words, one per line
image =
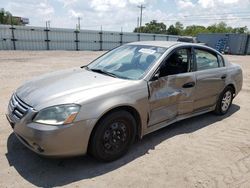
column 168, row 98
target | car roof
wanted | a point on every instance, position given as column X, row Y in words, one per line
column 165, row 44
column 168, row 44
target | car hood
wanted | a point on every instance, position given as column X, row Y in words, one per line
column 67, row 86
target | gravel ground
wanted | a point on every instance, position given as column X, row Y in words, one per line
column 205, row 151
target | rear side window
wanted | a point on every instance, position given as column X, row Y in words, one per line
column 205, row 60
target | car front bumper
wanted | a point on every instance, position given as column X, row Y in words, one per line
column 53, row 141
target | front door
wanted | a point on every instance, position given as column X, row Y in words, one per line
column 172, row 93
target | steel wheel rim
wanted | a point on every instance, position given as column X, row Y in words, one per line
column 115, row 137
column 226, row 101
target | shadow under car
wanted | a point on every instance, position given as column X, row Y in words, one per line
column 45, row 172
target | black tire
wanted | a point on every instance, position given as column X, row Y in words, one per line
column 222, row 109
column 113, row 136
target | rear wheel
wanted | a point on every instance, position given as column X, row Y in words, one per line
column 113, row 136
column 224, row 101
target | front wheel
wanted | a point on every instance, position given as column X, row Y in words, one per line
column 113, row 136
column 225, row 100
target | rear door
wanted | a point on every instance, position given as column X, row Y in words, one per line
column 171, row 93
column 210, row 78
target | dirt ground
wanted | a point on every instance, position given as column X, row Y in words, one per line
column 205, row 151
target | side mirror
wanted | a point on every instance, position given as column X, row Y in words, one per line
column 156, row 76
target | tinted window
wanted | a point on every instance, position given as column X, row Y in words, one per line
column 205, row 60
column 176, row 63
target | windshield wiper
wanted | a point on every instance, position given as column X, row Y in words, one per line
column 85, row 66
column 104, row 72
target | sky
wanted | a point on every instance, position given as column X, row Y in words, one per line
column 114, row 15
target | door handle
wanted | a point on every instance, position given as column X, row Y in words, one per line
column 188, row 85
column 223, row 77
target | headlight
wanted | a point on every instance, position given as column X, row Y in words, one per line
column 57, row 115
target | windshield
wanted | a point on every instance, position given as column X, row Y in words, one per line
column 128, row 61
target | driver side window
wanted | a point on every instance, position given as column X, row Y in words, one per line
column 176, row 63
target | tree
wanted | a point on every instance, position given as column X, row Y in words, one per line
column 220, row 28
column 193, row 30
column 152, row 27
column 7, row 18
column 179, row 26
column 240, row 30
column 172, row 30
column 176, row 29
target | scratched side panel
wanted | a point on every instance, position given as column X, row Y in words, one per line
column 162, row 100
column 186, row 100
column 209, row 86
column 168, row 98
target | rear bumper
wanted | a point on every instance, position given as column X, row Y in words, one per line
column 54, row 141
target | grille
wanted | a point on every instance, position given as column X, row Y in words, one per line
column 17, row 107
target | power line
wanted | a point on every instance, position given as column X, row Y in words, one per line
column 207, row 19
column 141, row 8
column 182, row 20
column 215, row 16
column 223, row 13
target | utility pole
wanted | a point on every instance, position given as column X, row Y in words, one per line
column 47, row 24
column 141, row 7
column 79, row 23
column 138, row 22
column 11, row 20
